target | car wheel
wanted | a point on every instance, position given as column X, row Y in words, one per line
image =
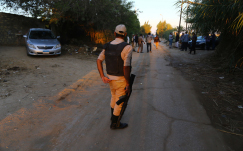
column 27, row 53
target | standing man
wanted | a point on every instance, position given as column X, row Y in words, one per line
column 133, row 41
column 128, row 39
column 207, row 41
column 136, row 40
column 177, row 40
column 182, row 41
column 170, row 40
column 186, row 38
column 140, row 43
column 194, row 40
column 117, row 55
column 148, row 40
column 213, row 40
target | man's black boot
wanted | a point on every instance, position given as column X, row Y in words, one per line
column 112, row 110
column 115, row 124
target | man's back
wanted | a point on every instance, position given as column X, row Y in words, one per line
column 140, row 39
column 186, row 38
column 136, row 38
column 149, row 39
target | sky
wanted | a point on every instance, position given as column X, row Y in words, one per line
column 156, row 10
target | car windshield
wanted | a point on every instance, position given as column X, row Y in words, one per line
column 200, row 38
column 41, row 35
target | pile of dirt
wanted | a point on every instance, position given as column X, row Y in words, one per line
column 80, row 50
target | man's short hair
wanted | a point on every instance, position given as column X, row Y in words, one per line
column 119, row 35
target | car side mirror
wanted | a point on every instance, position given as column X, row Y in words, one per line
column 25, row 36
column 58, row 36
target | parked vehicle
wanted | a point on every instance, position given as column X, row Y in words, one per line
column 201, row 42
column 41, row 41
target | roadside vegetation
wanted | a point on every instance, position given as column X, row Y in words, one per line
column 75, row 20
column 164, row 29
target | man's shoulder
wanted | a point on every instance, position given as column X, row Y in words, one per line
column 106, row 44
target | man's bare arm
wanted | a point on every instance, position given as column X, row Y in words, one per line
column 127, row 72
column 100, row 69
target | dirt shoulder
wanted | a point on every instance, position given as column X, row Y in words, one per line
column 26, row 79
column 220, row 92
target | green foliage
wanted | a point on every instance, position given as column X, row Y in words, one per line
column 90, row 15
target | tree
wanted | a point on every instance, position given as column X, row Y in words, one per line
column 98, row 18
column 162, row 27
column 146, row 28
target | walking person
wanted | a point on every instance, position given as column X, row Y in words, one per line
column 117, row 55
column 156, row 41
column 140, row 43
column 170, row 40
column 148, row 40
column 194, row 40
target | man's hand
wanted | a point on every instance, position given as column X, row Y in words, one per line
column 106, row 80
column 127, row 90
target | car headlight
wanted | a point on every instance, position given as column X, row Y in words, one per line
column 57, row 46
column 31, row 46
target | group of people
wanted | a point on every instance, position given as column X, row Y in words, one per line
column 185, row 38
column 139, row 41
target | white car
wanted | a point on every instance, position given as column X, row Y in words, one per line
column 41, row 41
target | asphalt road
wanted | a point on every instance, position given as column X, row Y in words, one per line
column 163, row 114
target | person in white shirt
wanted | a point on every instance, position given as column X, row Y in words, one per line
column 148, row 40
column 128, row 40
column 117, row 55
column 170, row 40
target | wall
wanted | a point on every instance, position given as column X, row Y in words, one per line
column 13, row 27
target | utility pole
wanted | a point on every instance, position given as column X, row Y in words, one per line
column 186, row 15
column 180, row 18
